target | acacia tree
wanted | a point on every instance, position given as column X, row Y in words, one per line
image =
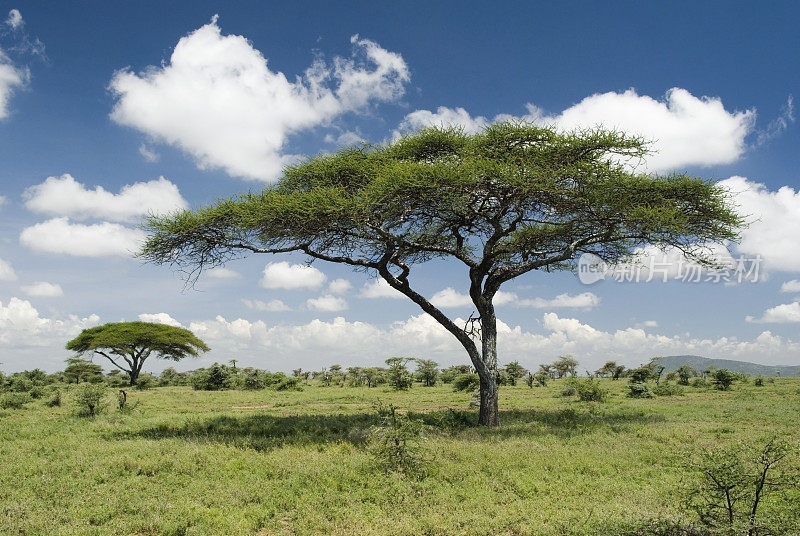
column 503, row 202
column 128, row 344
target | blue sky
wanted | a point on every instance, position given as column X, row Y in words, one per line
column 189, row 102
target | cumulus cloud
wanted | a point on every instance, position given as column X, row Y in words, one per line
column 271, row 306
column 7, row 272
column 59, row 235
column 12, row 78
column 43, row 289
column 21, row 325
column 379, row 288
column 449, row 297
column 774, row 218
column 339, row 286
column 282, row 275
column 791, row 286
column 222, row 273
column 64, row 196
column 786, row 313
column 685, row 130
column 327, row 303
column 217, row 100
column 421, row 335
column 160, row 318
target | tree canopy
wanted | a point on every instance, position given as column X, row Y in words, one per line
column 503, row 202
column 128, row 344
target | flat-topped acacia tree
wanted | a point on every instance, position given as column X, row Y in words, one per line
column 503, row 202
column 128, row 344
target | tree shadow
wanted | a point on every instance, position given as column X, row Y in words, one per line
column 266, row 432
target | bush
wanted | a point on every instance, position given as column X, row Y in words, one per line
column 251, row 380
column 723, row 379
column 214, row 378
column 397, row 375
column 289, row 384
column 14, row 400
column 759, row 381
column 145, row 381
column 395, row 443
column 466, row 382
column 700, row 383
column 89, row 399
column 590, row 390
column 54, row 400
column 569, row 390
column 639, row 390
column 667, row 389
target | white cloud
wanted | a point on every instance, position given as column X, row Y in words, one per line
column 791, row 286
column 339, row 286
column 786, row 313
column 217, row 99
column 685, row 130
column 14, row 19
column 774, row 218
column 64, row 196
column 584, row 300
column 345, row 341
column 327, row 303
column 21, row 326
column 7, row 273
column 379, row 288
column 58, row 235
column 12, row 78
column 271, row 306
column 222, row 273
column 2, row 200
column 160, row 318
column 282, row 275
column 149, row 154
column 43, row 289
column 449, row 297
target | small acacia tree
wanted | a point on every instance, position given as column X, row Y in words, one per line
column 128, row 344
column 503, row 202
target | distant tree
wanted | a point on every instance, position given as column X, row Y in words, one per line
column 503, row 202
column 451, row 373
column 685, row 373
column 723, row 379
column 82, row 370
column 607, row 370
column 565, row 366
column 427, row 372
column 397, row 375
column 374, row 376
column 127, row 345
column 515, row 371
column 214, row 378
column 641, row 375
column 548, row 369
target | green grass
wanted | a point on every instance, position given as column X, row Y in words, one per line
column 265, row 462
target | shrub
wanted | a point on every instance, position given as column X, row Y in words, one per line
column 466, row 382
column 395, row 443
column 451, row 373
column 89, row 398
column 214, row 378
column 723, row 379
column 639, row 390
column 700, row 383
column 145, row 381
column 251, row 380
column 14, row 400
column 590, row 390
column 759, row 381
column 569, row 390
column 397, row 375
column 641, row 374
column 289, row 384
column 54, row 400
column 667, row 389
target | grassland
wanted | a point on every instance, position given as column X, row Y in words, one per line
column 285, row 463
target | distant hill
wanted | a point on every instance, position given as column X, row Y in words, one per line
column 672, row 362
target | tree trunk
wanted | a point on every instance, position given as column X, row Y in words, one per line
column 134, row 374
column 489, row 414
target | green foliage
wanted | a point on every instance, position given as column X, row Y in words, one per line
column 667, row 389
column 427, row 372
column 568, row 389
column 639, row 390
column 759, row 381
column 589, row 390
column 395, row 443
column 735, row 483
column 700, row 383
column 14, row 400
column 145, row 381
column 289, row 384
column 214, row 378
column 397, row 375
column 55, row 399
column 514, row 371
column 450, row 373
column 565, row 366
column 539, row 379
column 723, row 379
column 89, row 398
column 685, row 373
column 128, row 344
column 466, row 382
column 641, row 375
column 82, row 370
